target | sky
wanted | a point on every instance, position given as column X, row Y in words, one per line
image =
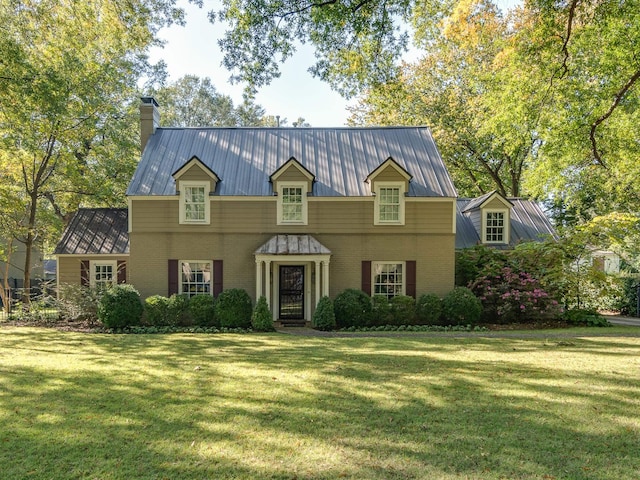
column 193, row 50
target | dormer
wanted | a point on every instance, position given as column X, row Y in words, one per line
column 491, row 216
column 389, row 185
column 194, row 183
column 292, row 183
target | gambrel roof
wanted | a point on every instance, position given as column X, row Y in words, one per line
column 341, row 159
column 96, row 231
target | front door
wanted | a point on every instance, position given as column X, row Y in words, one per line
column 291, row 292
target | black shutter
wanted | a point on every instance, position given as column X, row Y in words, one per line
column 173, row 277
column 217, row 278
column 122, row 271
column 366, row 277
column 411, row 278
column 84, row 273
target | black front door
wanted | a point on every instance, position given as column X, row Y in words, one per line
column 291, row 292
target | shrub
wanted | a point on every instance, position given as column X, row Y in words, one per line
column 202, row 311
column 429, row 309
column 233, row 309
column 76, row 302
column 179, row 310
column 324, row 317
column 627, row 302
column 586, row 317
column 261, row 319
column 477, row 261
column 380, row 311
column 156, row 311
column 460, row 306
column 510, row 296
column 352, row 307
column 403, row 310
column 120, row 306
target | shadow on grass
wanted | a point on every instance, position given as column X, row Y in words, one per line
column 268, row 406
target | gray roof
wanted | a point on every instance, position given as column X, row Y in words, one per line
column 528, row 223
column 94, row 231
column 292, row 245
column 340, row 158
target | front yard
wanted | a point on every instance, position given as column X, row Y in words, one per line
column 436, row 406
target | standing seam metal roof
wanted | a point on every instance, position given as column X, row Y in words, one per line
column 340, row 158
column 94, row 231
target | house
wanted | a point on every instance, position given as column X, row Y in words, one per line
column 291, row 214
column 13, row 270
column 500, row 222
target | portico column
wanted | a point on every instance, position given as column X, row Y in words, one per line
column 267, row 281
column 318, row 279
column 258, row 279
column 325, row 278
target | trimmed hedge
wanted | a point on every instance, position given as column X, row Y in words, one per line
column 233, row 309
column 120, row 306
column 202, row 311
column 261, row 319
column 352, row 307
column 429, row 309
column 324, row 317
column 460, row 307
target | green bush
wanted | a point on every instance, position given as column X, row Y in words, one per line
column 460, row 307
column 586, row 317
column 261, row 319
column 202, row 311
column 627, row 303
column 380, row 311
column 429, row 309
column 76, row 302
column 179, row 310
column 233, row 309
column 324, row 317
column 403, row 310
column 120, row 306
column 156, row 311
column 352, row 307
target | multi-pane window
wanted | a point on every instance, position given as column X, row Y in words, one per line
column 388, row 279
column 292, row 207
column 194, row 204
column 103, row 274
column 196, row 278
column 494, row 227
column 389, row 198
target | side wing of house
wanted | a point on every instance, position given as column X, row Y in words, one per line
column 292, row 215
column 94, row 249
column 500, row 222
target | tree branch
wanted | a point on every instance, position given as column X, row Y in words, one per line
column 616, row 101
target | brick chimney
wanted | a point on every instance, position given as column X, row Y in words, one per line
column 149, row 119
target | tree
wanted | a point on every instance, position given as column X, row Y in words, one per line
column 68, row 73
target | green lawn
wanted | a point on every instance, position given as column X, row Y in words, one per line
column 277, row 406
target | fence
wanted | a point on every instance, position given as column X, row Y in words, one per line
column 41, row 294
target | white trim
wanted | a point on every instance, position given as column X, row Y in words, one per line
column 129, row 215
column 401, row 196
column 505, row 226
column 180, row 262
column 388, row 262
column 304, row 188
column 182, row 184
column 102, row 263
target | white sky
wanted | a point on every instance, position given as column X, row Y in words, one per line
column 194, row 50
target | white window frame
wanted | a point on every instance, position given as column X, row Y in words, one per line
column 181, row 282
column 94, row 282
column 305, row 202
column 378, row 198
column 184, row 184
column 505, row 225
column 375, row 265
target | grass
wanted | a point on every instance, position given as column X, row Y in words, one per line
column 183, row 406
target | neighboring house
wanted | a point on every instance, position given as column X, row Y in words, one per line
column 500, row 222
column 291, row 214
column 15, row 272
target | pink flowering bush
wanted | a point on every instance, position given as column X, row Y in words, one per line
column 509, row 296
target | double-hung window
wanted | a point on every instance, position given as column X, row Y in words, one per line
column 194, row 202
column 388, row 279
column 103, row 274
column 495, row 227
column 195, row 278
column 389, row 204
column 292, row 204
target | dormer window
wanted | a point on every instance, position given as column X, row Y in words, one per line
column 194, row 202
column 495, row 226
column 389, row 204
column 292, row 203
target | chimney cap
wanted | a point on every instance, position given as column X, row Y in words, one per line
column 149, row 100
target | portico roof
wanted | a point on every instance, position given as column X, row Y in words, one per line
column 292, row 245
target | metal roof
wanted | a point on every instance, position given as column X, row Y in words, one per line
column 528, row 223
column 292, row 245
column 340, row 158
column 94, row 231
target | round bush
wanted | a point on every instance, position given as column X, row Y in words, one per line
column 460, row 307
column 120, row 306
column 179, row 310
column 324, row 317
column 429, row 309
column 380, row 311
column 403, row 310
column 156, row 309
column 261, row 320
column 202, row 311
column 352, row 307
column 233, row 309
